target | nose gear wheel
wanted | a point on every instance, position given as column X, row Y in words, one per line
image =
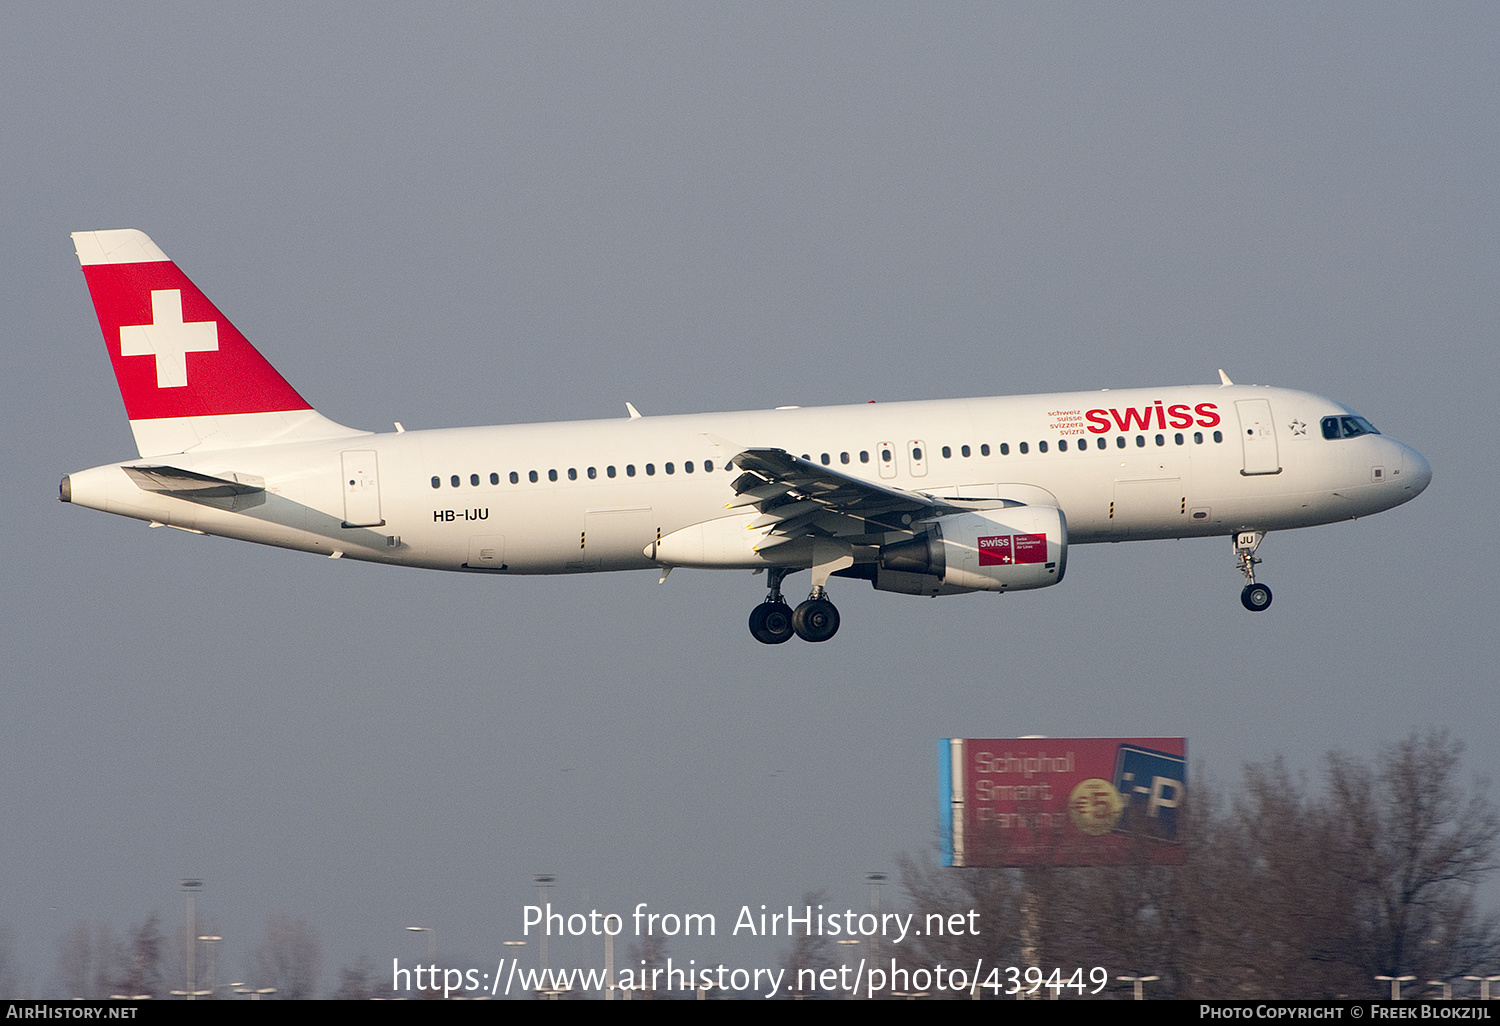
column 1254, row 597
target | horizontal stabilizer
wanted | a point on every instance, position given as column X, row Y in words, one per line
column 186, row 484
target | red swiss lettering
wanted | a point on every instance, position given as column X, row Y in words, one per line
column 1132, row 416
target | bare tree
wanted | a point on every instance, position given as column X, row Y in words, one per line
column 358, row 982
column 809, row 953
column 85, row 962
column 1290, row 891
column 289, row 958
column 646, row 955
column 1413, row 844
column 139, row 961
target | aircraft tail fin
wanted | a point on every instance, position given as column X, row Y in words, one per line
column 189, row 379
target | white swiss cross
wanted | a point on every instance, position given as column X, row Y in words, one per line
column 168, row 339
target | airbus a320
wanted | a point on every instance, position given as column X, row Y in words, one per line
column 922, row 498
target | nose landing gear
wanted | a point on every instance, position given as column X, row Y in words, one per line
column 1254, row 597
column 773, row 622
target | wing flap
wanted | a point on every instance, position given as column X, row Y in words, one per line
column 798, row 497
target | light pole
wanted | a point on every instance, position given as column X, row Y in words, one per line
column 846, row 943
column 431, row 943
column 875, row 881
column 1140, row 984
column 212, row 940
column 544, row 883
column 1395, row 982
column 1484, row 985
column 192, row 887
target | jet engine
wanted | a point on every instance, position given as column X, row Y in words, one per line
column 1014, row 549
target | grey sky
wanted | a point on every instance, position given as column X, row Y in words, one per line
column 469, row 214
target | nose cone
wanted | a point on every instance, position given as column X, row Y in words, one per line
column 1418, row 472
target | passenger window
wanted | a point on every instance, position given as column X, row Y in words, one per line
column 885, row 454
column 670, row 469
column 1179, row 438
column 474, row 480
column 826, row 459
column 630, row 470
column 515, row 478
column 1197, row 437
column 455, row 480
column 864, row 456
column 947, row 453
column 609, row 471
column 593, row 473
column 1004, row 448
column 1218, row 436
column 532, row 475
column 984, row 450
column 437, row 482
column 551, row 475
column 1023, row 448
column 964, row 451
column 650, row 469
column 572, row 473
column 1041, row 447
column 494, row 479
column 1140, row 441
column 687, row 468
column 1161, row 439
column 708, row 466
column 1120, row 442
column 916, row 453
column 844, row 458
column 1062, row 445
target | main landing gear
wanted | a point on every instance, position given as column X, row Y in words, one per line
column 774, row 622
column 1254, row 597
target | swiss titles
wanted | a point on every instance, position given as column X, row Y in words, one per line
column 1155, row 416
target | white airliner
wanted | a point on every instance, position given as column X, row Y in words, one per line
column 923, row 498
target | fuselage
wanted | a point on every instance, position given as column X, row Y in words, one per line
column 574, row 497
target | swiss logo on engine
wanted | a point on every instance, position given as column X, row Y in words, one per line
column 1006, row 549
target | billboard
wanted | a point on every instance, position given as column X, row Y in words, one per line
column 1061, row 801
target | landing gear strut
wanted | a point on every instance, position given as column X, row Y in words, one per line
column 774, row 622
column 1254, row 597
column 771, row 621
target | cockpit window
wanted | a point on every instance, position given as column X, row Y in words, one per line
column 1347, row 427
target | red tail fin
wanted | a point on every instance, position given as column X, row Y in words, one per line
column 187, row 375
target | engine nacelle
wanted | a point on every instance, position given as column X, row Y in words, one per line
column 1013, row 549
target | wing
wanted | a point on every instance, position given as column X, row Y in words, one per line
column 797, row 498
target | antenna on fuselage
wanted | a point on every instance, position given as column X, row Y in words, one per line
column 1224, row 378
column 635, row 414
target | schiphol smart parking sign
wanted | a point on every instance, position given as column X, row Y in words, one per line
column 1061, row 801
